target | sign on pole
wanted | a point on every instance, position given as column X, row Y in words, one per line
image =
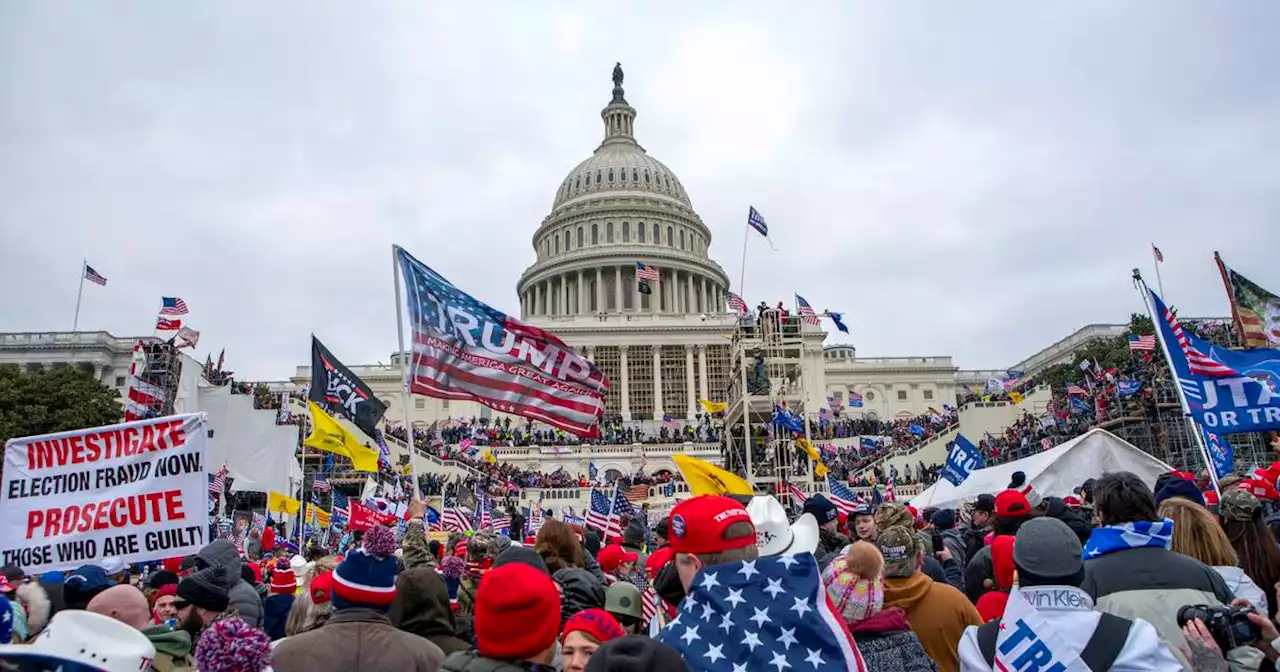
column 136, row 491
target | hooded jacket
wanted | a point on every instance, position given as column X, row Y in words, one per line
column 830, row 542
column 580, row 590
column 417, row 550
column 245, row 600
column 937, row 612
column 173, row 649
column 422, row 607
column 1240, row 585
column 887, row 643
column 1075, row 619
column 472, row 661
column 1055, row 507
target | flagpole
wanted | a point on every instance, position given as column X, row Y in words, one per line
column 742, row 272
column 75, row 324
column 405, row 395
column 1197, row 435
column 1159, row 282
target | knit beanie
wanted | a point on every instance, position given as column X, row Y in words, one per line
column 162, row 578
column 367, row 576
column 205, row 589
column 1179, row 487
column 521, row 554
column 599, row 624
column 855, row 583
column 231, row 645
column 636, row 653
column 516, row 594
column 283, row 580
column 321, row 588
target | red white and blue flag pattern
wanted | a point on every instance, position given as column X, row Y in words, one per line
column 806, row 310
column 465, row 349
column 172, row 305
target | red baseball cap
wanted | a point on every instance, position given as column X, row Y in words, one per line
column 657, row 560
column 1210, row 497
column 1260, row 489
column 1012, row 504
column 1071, row 501
column 697, row 525
column 613, row 555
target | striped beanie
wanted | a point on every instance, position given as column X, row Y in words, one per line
column 367, row 576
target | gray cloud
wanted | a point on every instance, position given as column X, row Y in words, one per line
column 972, row 180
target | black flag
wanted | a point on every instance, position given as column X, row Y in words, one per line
column 337, row 389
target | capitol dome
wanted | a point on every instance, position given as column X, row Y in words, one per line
column 618, row 207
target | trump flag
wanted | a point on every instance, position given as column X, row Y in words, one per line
column 465, row 349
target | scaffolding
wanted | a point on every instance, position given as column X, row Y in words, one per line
column 161, row 370
column 766, row 373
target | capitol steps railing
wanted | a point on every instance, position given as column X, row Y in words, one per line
column 907, row 452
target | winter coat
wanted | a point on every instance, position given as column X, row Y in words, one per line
column 1072, row 616
column 421, row 606
column 1152, row 584
column 938, row 614
column 464, row 616
column 1056, row 508
column 417, row 550
column 1240, row 585
column 275, row 613
column 830, row 542
column 953, row 540
column 221, row 553
column 35, row 605
column 472, row 661
column 356, row 640
column 977, row 572
column 580, row 590
column 517, row 526
column 633, row 537
column 888, row 645
column 975, row 539
column 592, row 566
column 173, row 649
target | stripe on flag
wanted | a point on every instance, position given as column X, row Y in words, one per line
column 1139, row 343
column 807, row 310
column 93, row 276
column 644, row 272
column 736, row 303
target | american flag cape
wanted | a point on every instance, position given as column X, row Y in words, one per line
column 465, row 349
column 771, row 611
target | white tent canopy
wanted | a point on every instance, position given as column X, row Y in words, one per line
column 1055, row 472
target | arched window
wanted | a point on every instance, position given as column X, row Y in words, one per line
column 635, row 175
column 626, row 232
column 579, row 236
column 646, row 176
column 640, row 232
column 657, row 234
column 597, row 177
column 566, row 240
column 682, row 239
column 557, row 244
column 610, row 174
column 608, row 232
column 577, row 184
column 671, row 237
column 595, row 234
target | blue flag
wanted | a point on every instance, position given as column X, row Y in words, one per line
column 838, row 319
column 916, row 429
column 1128, row 388
column 963, row 460
column 1079, row 406
column 868, row 443
column 1227, row 391
column 592, row 471
column 1220, row 452
column 785, row 419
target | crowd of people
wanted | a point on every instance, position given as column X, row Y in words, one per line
column 1114, row 574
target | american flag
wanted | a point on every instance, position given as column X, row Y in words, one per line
column 93, row 276
column 670, row 422
column 890, row 495
column 1076, row 390
column 217, row 482
column 321, row 484
column 535, row 517
column 757, row 610
column 340, row 511
column 1147, row 342
column 638, row 493
column 465, row 445
column 622, row 507
column 644, row 272
column 649, row 603
column 1155, row 252
column 756, row 221
column 535, row 374
column 845, row 499
column 600, row 517
column 172, row 305
column 736, row 303
column 454, row 518
column 486, row 517
column 806, row 310
column 1197, row 362
column 797, row 495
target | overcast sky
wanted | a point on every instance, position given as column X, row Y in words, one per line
column 973, row 179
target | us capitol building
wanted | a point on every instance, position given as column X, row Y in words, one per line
column 662, row 351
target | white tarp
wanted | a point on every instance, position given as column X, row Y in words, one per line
column 1055, row 472
column 258, row 453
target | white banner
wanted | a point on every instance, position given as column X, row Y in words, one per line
column 1027, row 637
column 136, row 491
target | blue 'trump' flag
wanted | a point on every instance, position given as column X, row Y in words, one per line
column 963, row 460
column 465, row 349
column 1221, row 452
column 760, row 613
column 756, row 221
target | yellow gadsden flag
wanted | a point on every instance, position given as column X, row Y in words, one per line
column 705, row 478
column 282, row 503
column 713, row 407
column 1016, row 397
column 329, row 436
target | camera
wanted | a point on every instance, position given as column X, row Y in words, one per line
column 1229, row 625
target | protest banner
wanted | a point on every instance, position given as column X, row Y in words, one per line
column 364, row 517
column 135, row 492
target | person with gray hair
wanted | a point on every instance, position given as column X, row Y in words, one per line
column 1051, row 611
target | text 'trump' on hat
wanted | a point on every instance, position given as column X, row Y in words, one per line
column 698, row 525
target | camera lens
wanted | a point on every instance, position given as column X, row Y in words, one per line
column 1191, row 612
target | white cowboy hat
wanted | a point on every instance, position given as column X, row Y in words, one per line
column 97, row 641
column 775, row 535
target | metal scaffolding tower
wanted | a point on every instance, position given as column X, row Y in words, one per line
column 766, row 372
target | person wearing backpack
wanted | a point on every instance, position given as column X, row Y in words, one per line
column 1049, row 618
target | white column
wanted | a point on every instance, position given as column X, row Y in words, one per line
column 688, row 376
column 565, row 308
column 702, row 295
column 617, row 291
column 537, row 299
column 657, row 382
column 625, row 391
column 599, row 290
column 702, row 372
column 635, row 294
column 589, row 351
column 690, row 306
column 581, row 308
